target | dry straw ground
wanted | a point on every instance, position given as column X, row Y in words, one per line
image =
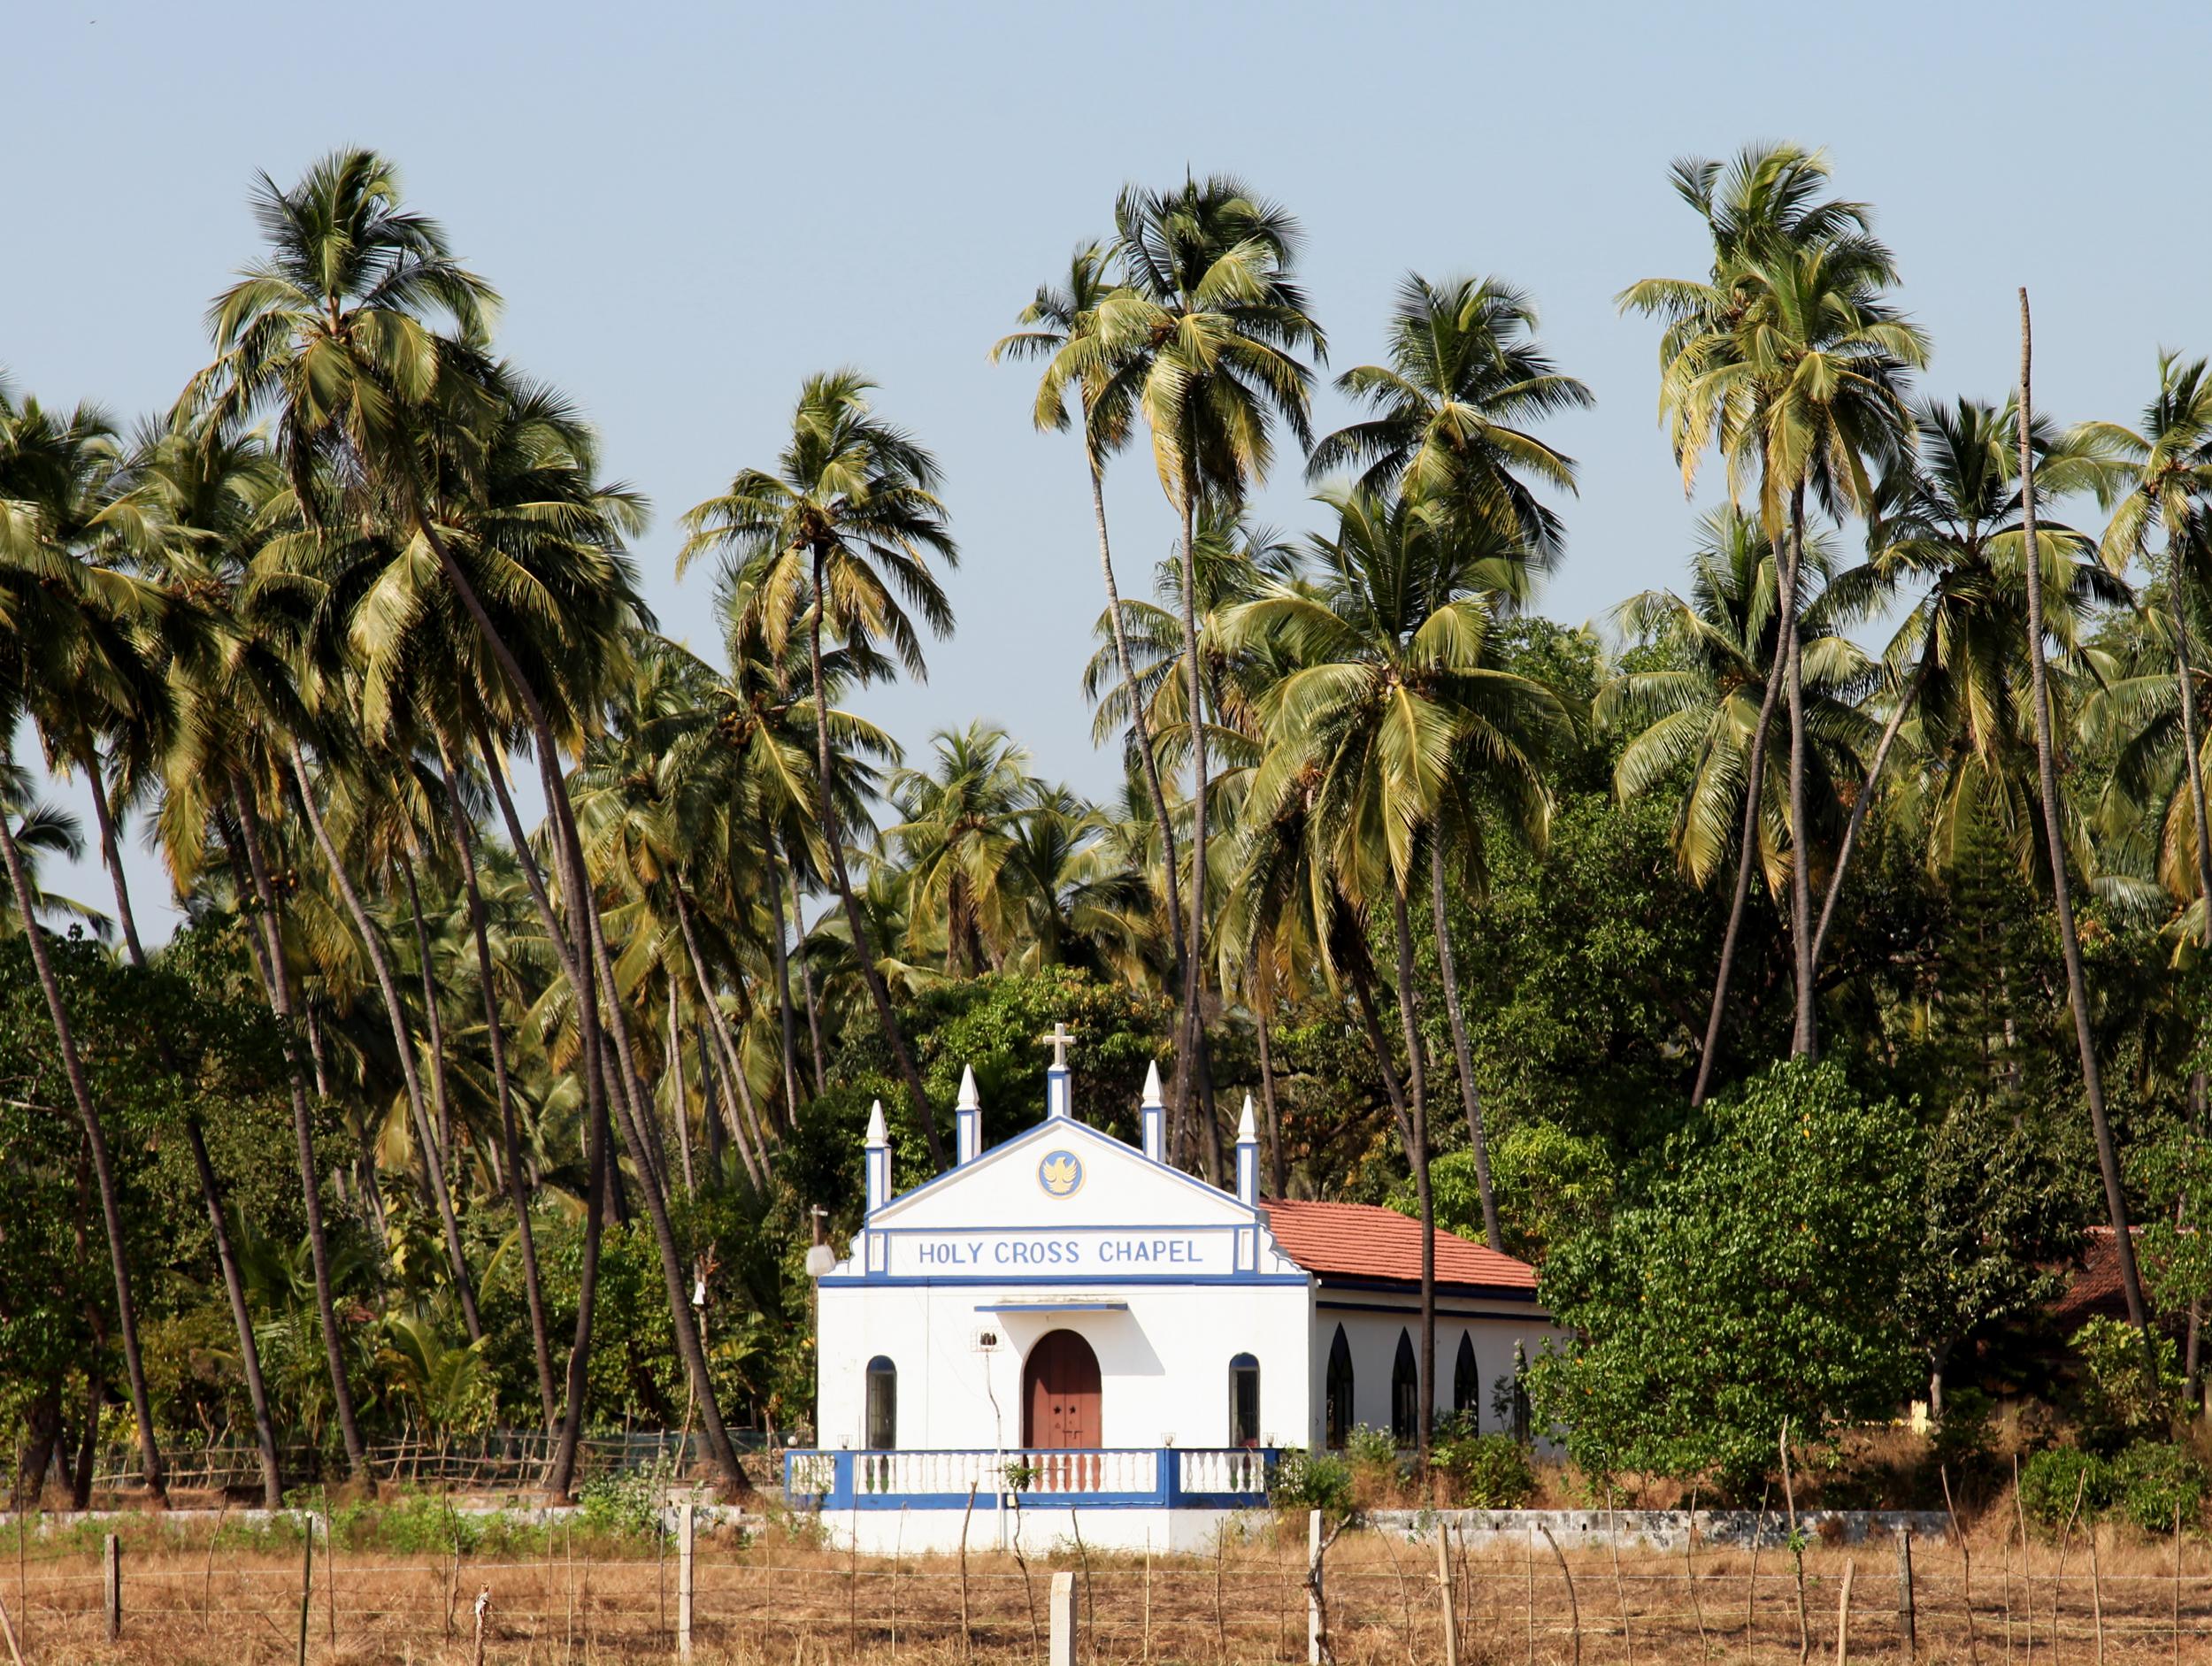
column 781, row 1603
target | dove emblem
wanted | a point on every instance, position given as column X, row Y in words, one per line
column 1061, row 1174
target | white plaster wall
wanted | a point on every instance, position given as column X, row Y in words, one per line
column 1373, row 1337
column 1163, row 1364
column 1037, row 1531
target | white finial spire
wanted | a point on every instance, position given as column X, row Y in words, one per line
column 1059, row 1089
column 876, row 1160
column 967, row 1121
column 1152, row 1115
column 1248, row 1157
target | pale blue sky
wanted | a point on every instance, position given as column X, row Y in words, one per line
column 689, row 208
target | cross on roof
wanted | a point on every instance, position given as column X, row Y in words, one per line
column 1058, row 1041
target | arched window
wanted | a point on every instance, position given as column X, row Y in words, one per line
column 883, row 1405
column 1405, row 1394
column 1466, row 1380
column 1244, row 1401
column 1339, row 1415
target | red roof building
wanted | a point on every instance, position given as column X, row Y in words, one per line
column 1379, row 1248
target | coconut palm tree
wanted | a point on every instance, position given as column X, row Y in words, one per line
column 839, row 538
column 1390, row 712
column 2170, row 457
column 956, row 839
column 1454, row 408
column 1789, row 361
column 1064, row 333
column 1204, row 332
column 47, row 596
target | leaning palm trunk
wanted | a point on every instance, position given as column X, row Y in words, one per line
column 561, row 1472
column 403, row 1043
column 2069, row 942
column 510, row 1136
column 1191, row 1032
column 1148, row 759
column 1755, row 777
column 1417, row 1155
column 755, row 1166
column 787, row 1019
column 103, row 1170
column 303, row 1133
column 211, row 1195
column 1905, row 700
column 110, row 855
column 1805, row 1035
column 864, row 952
column 1261, row 1000
column 806, row 985
column 1469, row 1093
column 440, row 1091
column 681, row 1107
column 2186, row 687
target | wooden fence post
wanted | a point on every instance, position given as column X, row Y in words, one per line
column 1906, row 1621
column 686, row 1536
column 1843, row 1617
column 1065, row 1624
column 1314, row 1640
column 112, row 1584
column 1446, row 1595
column 307, row 1584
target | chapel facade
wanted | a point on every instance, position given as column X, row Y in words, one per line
column 1064, row 1323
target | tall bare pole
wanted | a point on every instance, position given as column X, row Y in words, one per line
column 2047, row 768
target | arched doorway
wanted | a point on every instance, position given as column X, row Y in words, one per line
column 1060, row 1392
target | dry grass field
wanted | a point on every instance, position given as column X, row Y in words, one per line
column 780, row 1602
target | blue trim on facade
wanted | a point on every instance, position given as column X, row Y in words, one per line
column 844, row 1495
column 1210, row 1281
column 1057, row 1127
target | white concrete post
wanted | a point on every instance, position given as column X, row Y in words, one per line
column 1153, row 1115
column 967, row 1121
column 878, row 1159
column 1247, row 1159
column 1065, row 1643
column 685, row 1531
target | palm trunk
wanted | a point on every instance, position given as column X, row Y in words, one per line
column 787, row 1019
column 2054, row 834
column 1142, row 724
column 1906, row 697
column 1277, row 1175
column 211, row 1185
column 510, row 1136
column 733, row 1070
column 1417, row 1155
column 1469, row 1093
column 682, row 1106
column 2187, row 688
column 1754, row 778
column 634, row 1118
column 104, row 1170
column 863, row 951
column 1190, row 1032
column 440, row 1095
column 89, row 760
column 1805, row 1036
column 302, row 1136
column 395, row 1016
column 806, row 985
column 1364, row 998
column 234, row 1290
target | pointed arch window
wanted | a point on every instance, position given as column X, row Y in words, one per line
column 1339, row 1401
column 883, row 1405
column 1466, row 1380
column 1405, row 1394
column 1244, row 1400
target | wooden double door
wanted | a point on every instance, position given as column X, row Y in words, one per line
column 1060, row 1393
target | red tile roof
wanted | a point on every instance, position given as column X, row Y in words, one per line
column 1358, row 1240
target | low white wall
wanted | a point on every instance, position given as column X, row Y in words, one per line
column 1037, row 1532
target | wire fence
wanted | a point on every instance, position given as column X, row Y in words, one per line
column 1387, row 1600
column 496, row 1461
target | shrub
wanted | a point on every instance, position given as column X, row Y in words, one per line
column 2152, row 1479
column 1488, row 1471
column 2053, row 1479
column 1964, row 1437
column 622, row 1506
column 1311, row 1480
column 1371, row 1450
column 2125, row 1389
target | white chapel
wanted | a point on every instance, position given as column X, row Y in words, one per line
column 1062, row 1323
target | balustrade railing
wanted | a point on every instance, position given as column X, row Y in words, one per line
column 1123, row 1475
